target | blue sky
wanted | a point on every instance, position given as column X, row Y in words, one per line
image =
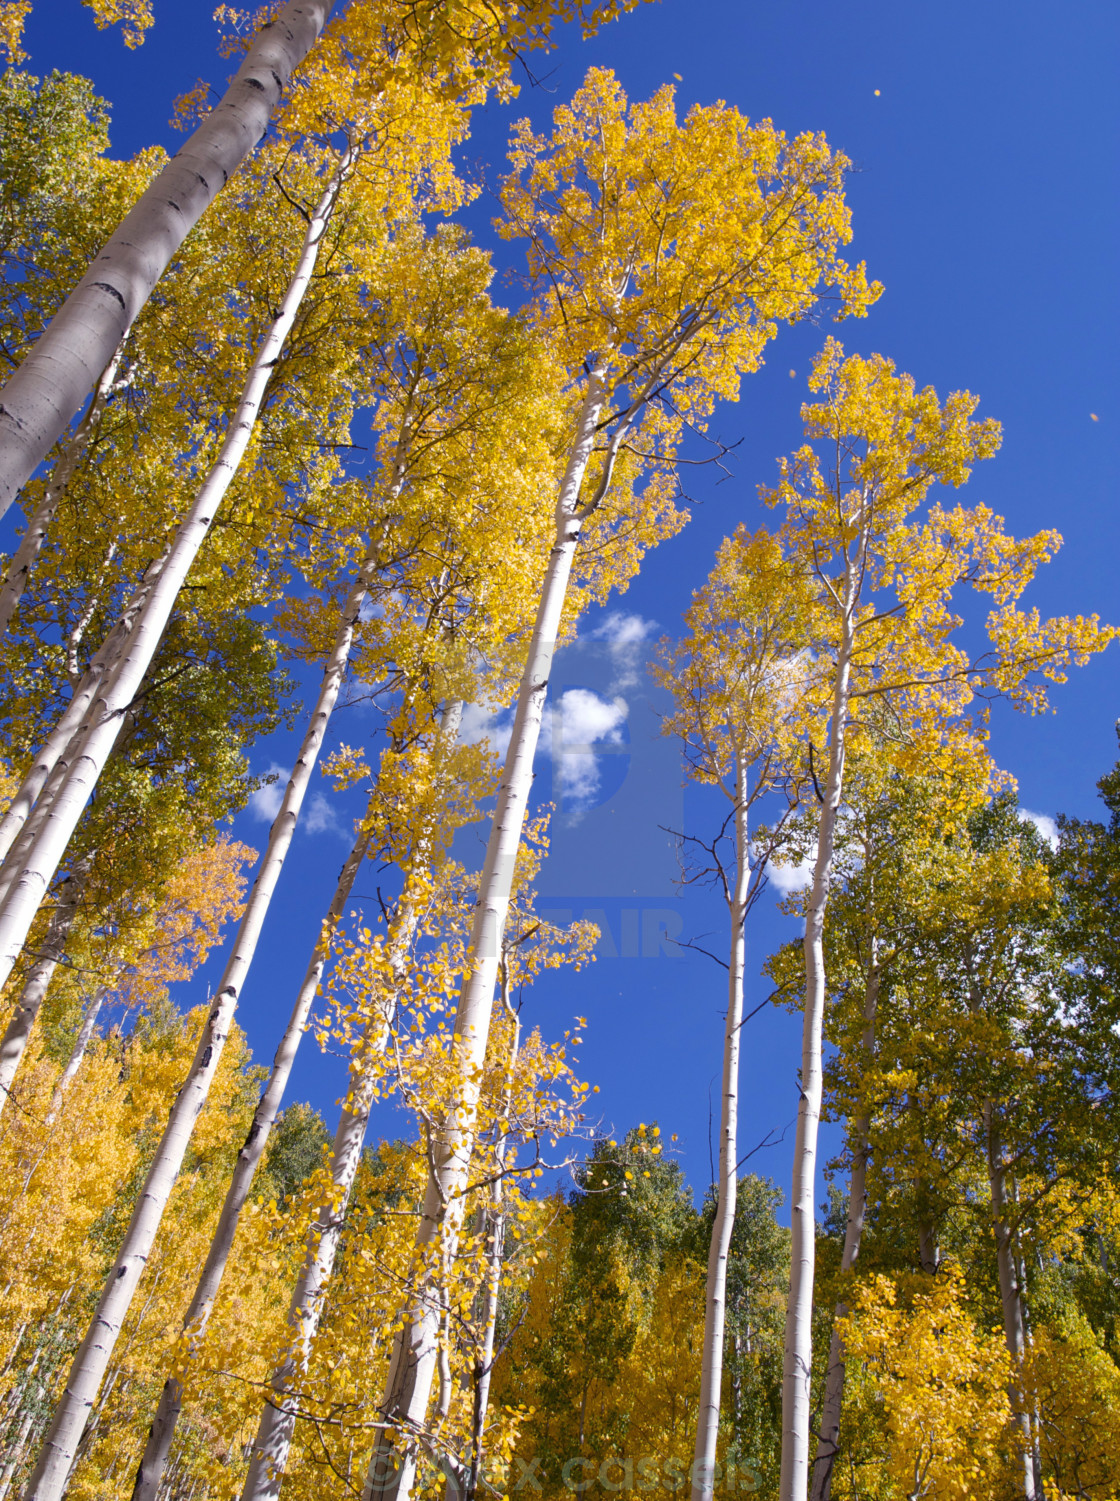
column 984, row 139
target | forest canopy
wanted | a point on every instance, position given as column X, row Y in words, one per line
column 276, row 446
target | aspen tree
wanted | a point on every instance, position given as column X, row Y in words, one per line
column 735, row 678
column 886, row 577
column 392, row 986
column 15, row 1039
column 889, row 854
column 665, row 254
column 87, row 758
column 444, row 367
column 458, row 43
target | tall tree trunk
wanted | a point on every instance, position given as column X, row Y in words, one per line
column 829, row 1442
column 462, row 1484
column 26, row 554
column 59, row 370
column 88, row 1369
column 1011, row 1300
column 149, row 1476
column 18, row 1031
column 88, row 760
column 25, row 813
column 797, row 1368
column 412, row 1363
column 78, row 1052
column 272, row 1444
column 715, row 1298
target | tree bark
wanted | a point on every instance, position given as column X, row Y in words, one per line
column 23, row 817
column 18, row 1031
column 26, row 554
column 715, row 1304
column 78, row 1052
column 412, row 1364
column 829, row 1442
column 1011, row 1300
column 114, row 698
column 92, row 1358
column 269, row 1455
column 798, row 1357
column 153, row 1463
column 56, row 375
column 462, row 1485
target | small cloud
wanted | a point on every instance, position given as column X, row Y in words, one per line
column 319, row 817
column 582, row 722
column 792, row 877
column 481, row 723
column 1043, row 823
column 623, row 636
column 573, row 734
column 264, row 804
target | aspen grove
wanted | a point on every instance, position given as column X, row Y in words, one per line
column 290, row 472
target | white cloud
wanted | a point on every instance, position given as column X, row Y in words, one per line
column 583, row 722
column 1044, row 824
column 481, row 723
column 796, row 876
column 264, row 804
column 573, row 736
column 319, row 817
column 624, row 636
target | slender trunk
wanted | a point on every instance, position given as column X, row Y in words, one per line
column 797, row 1368
column 18, row 1032
column 393, row 1462
column 150, row 1473
column 89, row 758
column 1011, row 1299
column 1010, row 1287
column 715, row 1306
column 78, row 1052
column 829, row 1442
column 272, row 1444
column 93, row 1356
column 24, row 816
column 929, row 1253
column 26, row 554
column 50, row 385
column 463, row 1486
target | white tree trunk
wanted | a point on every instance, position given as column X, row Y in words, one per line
column 269, row 1455
column 77, row 1053
column 24, row 558
column 153, row 1463
column 715, row 1298
column 58, row 372
column 91, row 1360
column 88, row 759
column 798, row 1357
column 18, row 1031
column 23, row 817
column 412, row 1364
column 853, row 1235
column 462, row 1485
